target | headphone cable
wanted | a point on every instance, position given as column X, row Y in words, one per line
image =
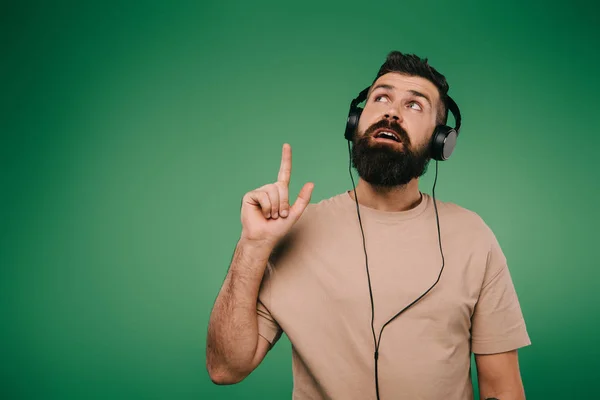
column 376, row 341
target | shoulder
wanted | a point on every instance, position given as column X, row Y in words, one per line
column 322, row 212
column 316, row 222
column 465, row 222
column 470, row 232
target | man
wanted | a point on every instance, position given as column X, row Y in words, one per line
column 332, row 281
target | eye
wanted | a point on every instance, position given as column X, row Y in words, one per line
column 415, row 106
column 380, row 97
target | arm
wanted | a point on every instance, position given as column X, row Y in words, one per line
column 499, row 376
column 234, row 348
column 498, row 330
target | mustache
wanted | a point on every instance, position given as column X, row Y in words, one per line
column 393, row 126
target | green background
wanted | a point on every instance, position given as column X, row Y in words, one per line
column 131, row 131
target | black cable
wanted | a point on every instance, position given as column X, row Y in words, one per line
column 375, row 340
column 366, row 261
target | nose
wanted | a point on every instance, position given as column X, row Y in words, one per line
column 393, row 114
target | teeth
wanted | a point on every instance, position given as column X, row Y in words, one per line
column 387, row 134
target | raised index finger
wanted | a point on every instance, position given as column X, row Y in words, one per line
column 285, row 171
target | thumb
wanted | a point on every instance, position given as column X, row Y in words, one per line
column 302, row 201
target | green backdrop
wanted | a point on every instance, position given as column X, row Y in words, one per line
column 131, row 132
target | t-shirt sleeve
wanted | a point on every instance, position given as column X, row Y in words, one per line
column 268, row 327
column 497, row 322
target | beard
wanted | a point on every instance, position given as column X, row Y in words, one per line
column 388, row 165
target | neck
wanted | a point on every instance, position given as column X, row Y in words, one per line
column 397, row 198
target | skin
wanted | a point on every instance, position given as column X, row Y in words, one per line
column 499, row 376
column 234, row 348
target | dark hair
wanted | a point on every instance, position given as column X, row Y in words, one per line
column 410, row 64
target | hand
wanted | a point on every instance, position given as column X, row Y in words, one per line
column 266, row 213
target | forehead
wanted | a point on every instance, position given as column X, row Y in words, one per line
column 402, row 83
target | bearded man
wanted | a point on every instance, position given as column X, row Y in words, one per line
column 383, row 291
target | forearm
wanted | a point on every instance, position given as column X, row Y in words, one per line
column 233, row 327
column 515, row 393
column 499, row 377
column 503, row 396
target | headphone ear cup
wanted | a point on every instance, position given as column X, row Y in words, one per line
column 352, row 122
column 443, row 142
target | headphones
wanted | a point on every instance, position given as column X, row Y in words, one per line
column 443, row 139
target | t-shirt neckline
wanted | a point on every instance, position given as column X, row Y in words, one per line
column 386, row 216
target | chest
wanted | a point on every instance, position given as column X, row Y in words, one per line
column 328, row 286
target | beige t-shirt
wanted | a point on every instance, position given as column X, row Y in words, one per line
column 317, row 293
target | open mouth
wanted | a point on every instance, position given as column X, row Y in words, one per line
column 387, row 135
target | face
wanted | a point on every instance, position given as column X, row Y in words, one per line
column 404, row 107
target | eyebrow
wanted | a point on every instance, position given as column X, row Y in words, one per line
column 390, row 87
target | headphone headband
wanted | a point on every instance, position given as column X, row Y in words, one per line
column 362, row 96
column 453, row 107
